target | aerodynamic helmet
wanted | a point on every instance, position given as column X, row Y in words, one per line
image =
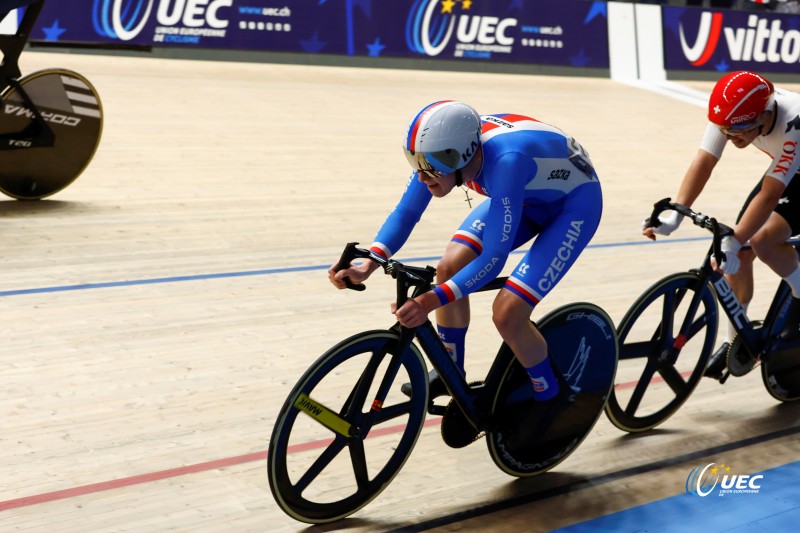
column 738, row 99
column 442, row 137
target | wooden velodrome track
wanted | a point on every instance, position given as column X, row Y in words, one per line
column 157, row 311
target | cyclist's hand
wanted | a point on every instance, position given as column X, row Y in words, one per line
column 357, row 273
column 730, row 249
column 670, row 220
column 413, row 313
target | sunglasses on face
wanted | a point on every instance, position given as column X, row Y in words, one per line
column 739, row 129
column 422, row 162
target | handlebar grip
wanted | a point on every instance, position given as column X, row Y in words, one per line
column 348, row 255
column 658, row 207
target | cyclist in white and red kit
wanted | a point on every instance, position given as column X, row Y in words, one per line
column 745, row 108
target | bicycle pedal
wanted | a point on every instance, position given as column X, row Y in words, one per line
column 437, row 410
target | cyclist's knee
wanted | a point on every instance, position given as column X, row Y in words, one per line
column 509, row 315
column 764, row 245
column 456, row 256
column 746, row 258
column 446, row 269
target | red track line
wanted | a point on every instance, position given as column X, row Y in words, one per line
column 200, row 467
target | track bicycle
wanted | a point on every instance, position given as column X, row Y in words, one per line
column 668, row 335
column 346, row 429
column 51, row 122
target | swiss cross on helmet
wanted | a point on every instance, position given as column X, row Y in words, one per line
column 738, row 99
column 442, row 138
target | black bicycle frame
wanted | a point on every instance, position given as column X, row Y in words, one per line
column 421, row 280
column 37, row 133
column 730, row 303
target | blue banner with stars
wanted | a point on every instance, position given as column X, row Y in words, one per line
column 563, row 33
column 726, row 40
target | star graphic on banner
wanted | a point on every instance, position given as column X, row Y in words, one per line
column 314, row 44
column 53, row 32
column 722, row 66
column 597, row 9
column 375, row 48
column 447, row 6
column 580, row 60
column 466, row 4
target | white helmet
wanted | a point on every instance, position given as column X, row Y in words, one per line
column 442, row 138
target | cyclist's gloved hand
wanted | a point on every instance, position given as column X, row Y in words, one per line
column 730, row 247
column 670, row 220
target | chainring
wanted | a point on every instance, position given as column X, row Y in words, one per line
column 740, row 362
column 457, row 432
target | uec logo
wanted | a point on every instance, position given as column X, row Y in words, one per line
column 429, row 28
column 125, row 19
column 703, row 481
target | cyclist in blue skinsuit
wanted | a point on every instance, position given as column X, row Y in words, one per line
column 540, row 183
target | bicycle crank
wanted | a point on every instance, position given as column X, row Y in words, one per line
column 457, row 431
column 740, row 361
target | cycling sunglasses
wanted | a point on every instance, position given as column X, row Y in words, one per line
column 433, row 164
column 739, row 129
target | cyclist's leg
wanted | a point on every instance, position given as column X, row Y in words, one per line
column 742, row 285
column 742, row 282
column 770, row 245
column 549, row 258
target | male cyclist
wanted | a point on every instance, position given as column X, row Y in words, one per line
column 745, row 108
column 541, row 184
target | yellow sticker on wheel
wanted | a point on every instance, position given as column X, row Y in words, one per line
column 323, row 415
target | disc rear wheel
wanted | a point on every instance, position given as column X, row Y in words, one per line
column 72, row 109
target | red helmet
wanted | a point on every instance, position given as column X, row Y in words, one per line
column 738, row 99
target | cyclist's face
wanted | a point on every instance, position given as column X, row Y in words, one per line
column 743, row 138
column 439, row 184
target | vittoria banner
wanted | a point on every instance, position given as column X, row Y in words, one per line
column 725, row 40
column 565, row 33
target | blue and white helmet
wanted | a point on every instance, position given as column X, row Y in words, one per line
column 442, row 138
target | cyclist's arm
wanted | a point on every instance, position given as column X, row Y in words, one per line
column 699, row 171
column 696, row 177
column 401, row 221
column 782, row 170
column 759, row 209
column 391, row 236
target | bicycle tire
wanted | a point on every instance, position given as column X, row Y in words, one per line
column 780, row 371
column 582, row 343
column 72, row 109
column 313, row 486
column 644, row 334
